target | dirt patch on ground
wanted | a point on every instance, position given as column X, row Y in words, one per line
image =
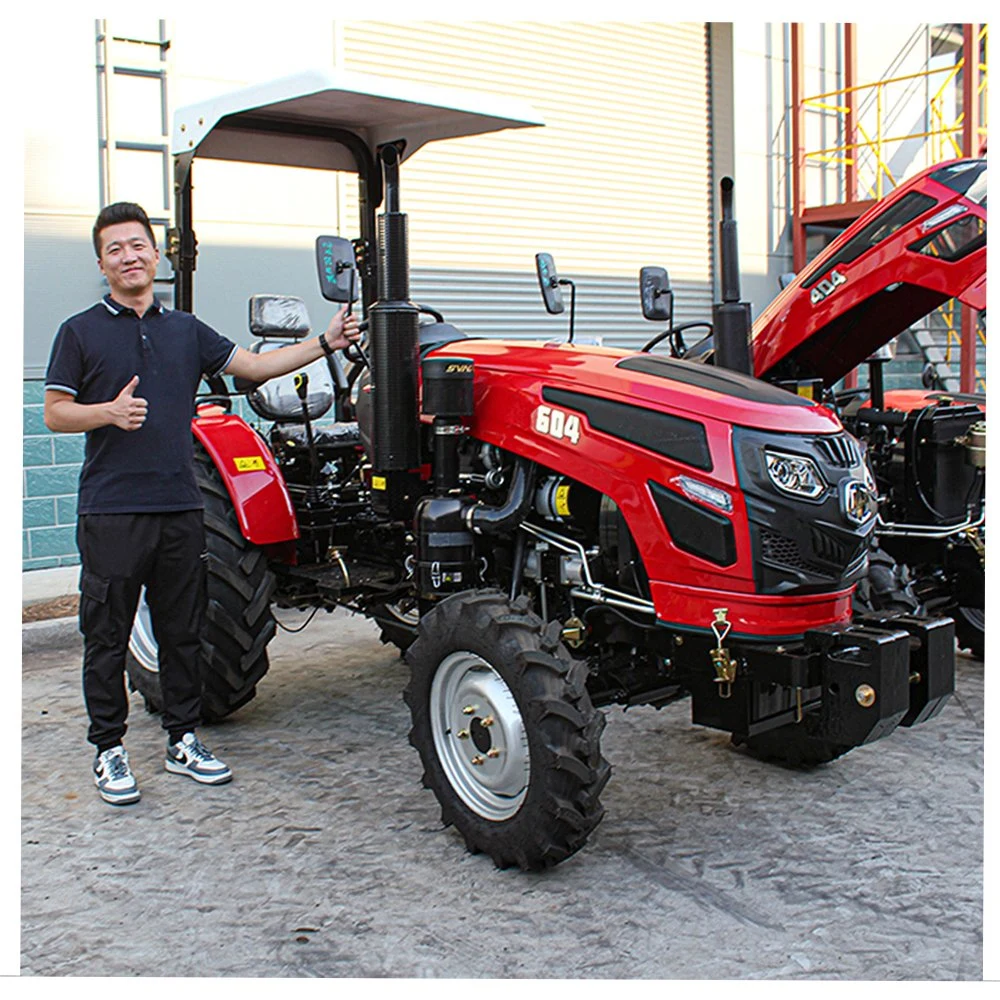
column 60, row 607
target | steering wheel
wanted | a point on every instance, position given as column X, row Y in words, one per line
column 429, row 311
column 356, row 354
column 677, row 345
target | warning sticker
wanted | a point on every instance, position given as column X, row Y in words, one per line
column 562, row 501
column 249, row 463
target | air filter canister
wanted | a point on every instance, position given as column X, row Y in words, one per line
column 447, row 387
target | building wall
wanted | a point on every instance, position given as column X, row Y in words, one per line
column 624, row 174
column 618, row 178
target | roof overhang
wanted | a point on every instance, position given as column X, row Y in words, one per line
column 307, row 107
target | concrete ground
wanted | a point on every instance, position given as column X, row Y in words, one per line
column 325, row 857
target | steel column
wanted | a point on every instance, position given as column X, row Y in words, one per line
column 970, row 147
column 798, row 148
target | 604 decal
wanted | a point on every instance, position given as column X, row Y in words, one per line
column 558, row 424
column 827, row 287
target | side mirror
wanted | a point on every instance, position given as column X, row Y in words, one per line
column 548, row 281
column 657, row 298
column 335, row 262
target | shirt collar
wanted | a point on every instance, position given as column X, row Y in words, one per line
column 117, row 309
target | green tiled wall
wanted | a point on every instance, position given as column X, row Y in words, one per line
column 50, row 473
column 51, row 469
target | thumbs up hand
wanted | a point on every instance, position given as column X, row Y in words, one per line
column 126, row 410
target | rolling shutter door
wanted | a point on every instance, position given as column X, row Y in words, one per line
column 618, row 178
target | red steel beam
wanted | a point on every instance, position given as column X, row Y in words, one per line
column 970, row 147
column 798, row 149
column 851, row 103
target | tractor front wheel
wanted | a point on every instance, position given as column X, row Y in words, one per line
column 507, row 734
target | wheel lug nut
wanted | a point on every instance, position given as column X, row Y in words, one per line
column 463, row 734
column 493, row 752
column 468, row 710
column 488, row 721
column 477, row 760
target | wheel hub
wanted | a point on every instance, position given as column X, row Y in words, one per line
column 479, row 736
column 142, row 642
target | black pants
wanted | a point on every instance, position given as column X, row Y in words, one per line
column 120, row 553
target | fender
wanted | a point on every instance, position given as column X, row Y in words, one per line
column 908, row 400
column 255, row 484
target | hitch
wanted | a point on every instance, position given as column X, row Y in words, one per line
column 852, row 684
column 722, row 659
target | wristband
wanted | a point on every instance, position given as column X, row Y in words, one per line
column 327, row 349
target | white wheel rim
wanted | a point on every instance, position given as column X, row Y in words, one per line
column 141, row 643
column 479, row 736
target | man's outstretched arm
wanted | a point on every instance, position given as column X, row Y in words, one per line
column 343, row 330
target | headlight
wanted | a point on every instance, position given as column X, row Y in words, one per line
column 697, row 490
column 794, row 475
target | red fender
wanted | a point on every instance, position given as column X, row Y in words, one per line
column 909, row 400
column 252, row 477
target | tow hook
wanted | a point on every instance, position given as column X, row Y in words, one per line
column 722, row 659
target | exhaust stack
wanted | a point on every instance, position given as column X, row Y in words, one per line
column 731, row 318
column 393, row 323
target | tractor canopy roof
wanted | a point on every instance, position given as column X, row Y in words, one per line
column 292, row 120
column 922, row 245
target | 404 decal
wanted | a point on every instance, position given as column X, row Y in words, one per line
column 556, row 423
column 825, row 288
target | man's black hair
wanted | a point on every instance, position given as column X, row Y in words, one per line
column 121, row 211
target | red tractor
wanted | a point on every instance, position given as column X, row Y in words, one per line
column 544, row 528
column 913, row 251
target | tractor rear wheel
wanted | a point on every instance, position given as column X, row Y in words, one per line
column 970, row 630
column 398, row 622
column 238, row 620
column 887, row 587
column 507, row 734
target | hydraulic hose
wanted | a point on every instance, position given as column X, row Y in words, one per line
column 497, row 520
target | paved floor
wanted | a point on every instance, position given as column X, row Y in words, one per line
column 325, row 857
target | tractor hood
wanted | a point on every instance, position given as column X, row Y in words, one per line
column 917, row 248
column 307, row 108
column 641, row 381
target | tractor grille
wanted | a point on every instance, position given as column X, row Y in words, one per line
column 840, row 450
column 832, row 550
column 825, row 551
column 780, row 549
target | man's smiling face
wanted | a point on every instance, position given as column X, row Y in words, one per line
column 128, row 259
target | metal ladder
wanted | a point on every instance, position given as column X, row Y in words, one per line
column 133, row 73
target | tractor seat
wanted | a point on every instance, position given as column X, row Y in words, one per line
column 277, row 399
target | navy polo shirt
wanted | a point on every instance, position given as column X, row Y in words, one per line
column 94, row 356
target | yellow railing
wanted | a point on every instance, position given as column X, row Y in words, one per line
column 873, row 105
column 872, row 143
column 948, row 313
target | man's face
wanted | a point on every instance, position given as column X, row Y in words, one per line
column 128, row 259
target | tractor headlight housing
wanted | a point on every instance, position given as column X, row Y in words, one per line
column 794, row 475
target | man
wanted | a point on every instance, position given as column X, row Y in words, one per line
column 125, row 373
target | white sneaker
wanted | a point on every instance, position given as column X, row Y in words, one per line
column 115, row 781
column 191, row 757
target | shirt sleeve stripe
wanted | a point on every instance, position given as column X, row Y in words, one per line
column 225, row 364
column 60, row 388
